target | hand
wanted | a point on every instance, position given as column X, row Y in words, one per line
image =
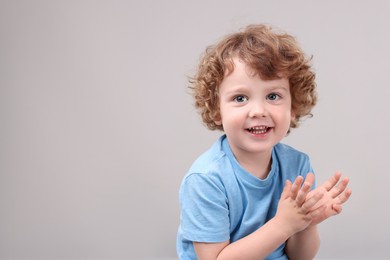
column 335, row 195
column 295, row 210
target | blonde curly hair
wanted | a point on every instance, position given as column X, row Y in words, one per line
column 270, row 54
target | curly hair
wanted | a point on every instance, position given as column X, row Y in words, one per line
column 270, row 54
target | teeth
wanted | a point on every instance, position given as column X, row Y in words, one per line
column 258, row 129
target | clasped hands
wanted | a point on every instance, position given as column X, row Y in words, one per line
column 300, row 207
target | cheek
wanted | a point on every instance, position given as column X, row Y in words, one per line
column 227, row 117
column 284, row 117
column 283, row 111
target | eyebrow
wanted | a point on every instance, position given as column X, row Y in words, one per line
column 278, row 87
column 237, row 90
column 241, row 89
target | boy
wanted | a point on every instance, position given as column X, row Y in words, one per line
column 249, row 196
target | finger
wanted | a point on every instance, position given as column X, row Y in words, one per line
column 337, row 207
column 345, row 196
column 286, row 190
column 302, row 194
column 310, row 178
column 305, row 189
column 339, row 188
column 308, row 204
column 295, row 187
column 329, row 184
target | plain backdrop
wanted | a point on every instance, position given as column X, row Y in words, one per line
column 97, row 126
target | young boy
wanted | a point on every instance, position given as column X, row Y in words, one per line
column 249, row 196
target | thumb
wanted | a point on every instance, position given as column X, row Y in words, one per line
column 337, row 208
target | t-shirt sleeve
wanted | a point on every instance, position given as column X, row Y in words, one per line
column 204, row 209
column 306, row 168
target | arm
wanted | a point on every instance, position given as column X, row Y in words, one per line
column 305, row 244
column 257, row 245
column 292, row 216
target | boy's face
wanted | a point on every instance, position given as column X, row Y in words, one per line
column 255, row 113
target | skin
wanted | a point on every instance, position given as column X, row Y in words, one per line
column 247, row 102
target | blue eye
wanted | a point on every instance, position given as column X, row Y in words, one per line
column 273, row 96
column 240, row 99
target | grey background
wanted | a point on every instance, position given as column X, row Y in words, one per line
column 97, row 127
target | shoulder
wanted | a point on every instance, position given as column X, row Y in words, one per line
column 210, row 168
column 210, row 161
column 286, row 151
column 288, row 158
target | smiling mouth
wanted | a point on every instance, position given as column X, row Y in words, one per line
column 258, row 129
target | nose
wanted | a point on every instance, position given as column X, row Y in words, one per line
column 258, row 109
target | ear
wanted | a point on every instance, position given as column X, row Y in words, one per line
column 218, row 120
column 293, row 115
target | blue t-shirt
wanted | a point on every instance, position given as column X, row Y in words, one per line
column 221, row 201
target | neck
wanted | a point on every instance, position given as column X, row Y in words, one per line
column 258, row 165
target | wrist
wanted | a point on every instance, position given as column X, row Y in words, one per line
column 312, row 229
column 282, row 226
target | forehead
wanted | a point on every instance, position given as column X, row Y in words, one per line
column 241, row 75
column 262, row 69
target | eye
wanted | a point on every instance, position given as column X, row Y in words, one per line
column 273, row 96
column 240, row 99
